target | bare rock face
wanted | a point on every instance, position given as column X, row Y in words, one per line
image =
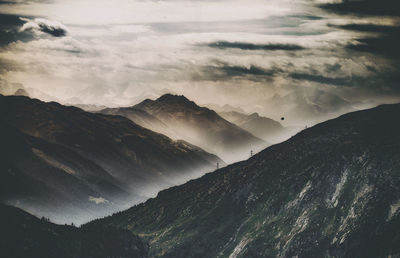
column 332, row 190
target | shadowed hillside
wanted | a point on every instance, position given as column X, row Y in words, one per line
column 332, row 190
column 71, row 165
column 23, row 235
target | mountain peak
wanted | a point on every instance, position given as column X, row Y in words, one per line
column 170, row 98
column 254, row 115
column 21, row 92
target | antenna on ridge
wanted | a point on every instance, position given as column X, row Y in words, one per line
column 251, row 153
column 217, row 165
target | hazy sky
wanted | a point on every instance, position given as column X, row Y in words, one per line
column 268, row 56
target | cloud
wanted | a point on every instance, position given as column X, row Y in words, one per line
column 9, row 30
column 97, row 200
column 381, row 39
column 222, row 71
column 250, row 46
column 338, row 81
column 53, row 28
column 371, row 7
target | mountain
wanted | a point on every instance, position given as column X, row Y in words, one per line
column 262, row 127
column 23, row 235
column 89, row 107
column 70, row 165
column 21, row 92
column 332, row 190
column 201, row 126
column 141, row 118
column 305, row 106
column 224, row 108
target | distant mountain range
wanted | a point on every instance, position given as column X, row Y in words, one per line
column 71, row 165
column 332, row 190
column 180, row 118
column 306, row 107
column 262, row 127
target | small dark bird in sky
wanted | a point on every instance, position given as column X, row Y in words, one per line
column 282, row 118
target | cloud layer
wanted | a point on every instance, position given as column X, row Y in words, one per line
column 241, row 53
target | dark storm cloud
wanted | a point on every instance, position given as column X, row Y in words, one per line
column 9, row 30
column 371, row 7
column 54, row 31
column 377, row 40
column 384, row 81
column 52, row 28
column 222, row 71
column 250, row 46
column 369, row 28
column 384, row 40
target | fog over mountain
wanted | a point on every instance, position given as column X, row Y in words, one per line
column 200, row 128
column 72, row 166
column 232, row 52
column 182, row 119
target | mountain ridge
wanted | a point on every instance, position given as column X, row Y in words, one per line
column 332, row 190
column 198, row 125
column 91, row 151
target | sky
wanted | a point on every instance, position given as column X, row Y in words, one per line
column 306, row 60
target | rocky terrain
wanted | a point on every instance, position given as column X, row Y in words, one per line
column 332, row 190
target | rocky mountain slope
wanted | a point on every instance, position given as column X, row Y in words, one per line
column 262, row 127
column 23, row 235
column 332, row 190
column 71, row 165
column 185, row 120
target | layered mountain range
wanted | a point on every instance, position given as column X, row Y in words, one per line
column 180, row 118
column 332, row 190
column 71, row 165
column 262, row 127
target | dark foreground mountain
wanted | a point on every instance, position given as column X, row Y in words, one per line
column 70, row 165
column 332, row 190
column 180, row 118
column 23, row 235
column 262, row 127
